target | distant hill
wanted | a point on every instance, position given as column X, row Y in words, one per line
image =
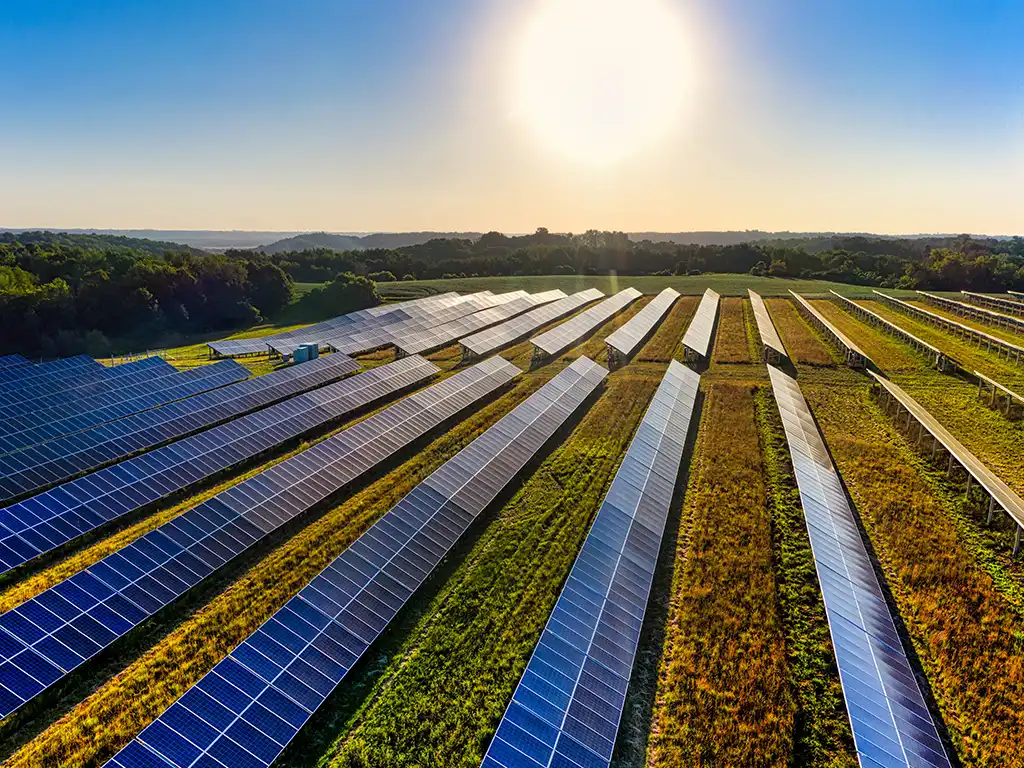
column 94, row 241
column 361, row 242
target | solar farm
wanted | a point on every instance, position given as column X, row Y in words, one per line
column 526, row 530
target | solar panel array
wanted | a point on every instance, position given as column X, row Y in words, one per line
column 260, row 346
column 985, row 340
column 854, row 355
column 561, row 337
column 627, row 339
column 65, row 457
column 888, row 714
column 253, row 703
column 496, row 337
column 76, row 397
column 998, row 319
column 83, row 414
column 774, row 349
column 697, row 339
column 13, row 361
column 50, row 519
column 48, row 636
column 1011, row 306
column 567, row 706
column 943, row 361
column 13, row 378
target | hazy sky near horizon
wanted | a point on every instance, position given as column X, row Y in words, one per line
column 890, row 116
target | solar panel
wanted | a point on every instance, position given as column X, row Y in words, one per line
column 624, row 341
column 854, row 355
column 773, row 348
column 567, row 706
column 50, row 519
column 13, row 361
column 44, row 405
column 985, row 340
column 252, row 704
column 36, row 428
column 998, row 319
column 48, row 636
column 943, row 361
column 496, row 337
column 440, row 336
column 65, row 457
column 697, row 339
column 12, row 379
column 889, row 717
column 1011, row 306
column 561, row 337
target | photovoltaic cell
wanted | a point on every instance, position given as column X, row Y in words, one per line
column 567, row 706
column 770, row 339
column 55, row 632
column 37, row 428
column 50, row 519
column 492, row 339
column 627, row 339
column 889, row 717
column 15, row 379
column 253, row 703
column 65, row 457
column 13, row 361
column 697, row 338
column 561, row 337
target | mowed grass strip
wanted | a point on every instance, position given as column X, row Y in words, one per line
column 121, row 707
column 801, row 342
column 1012, row 336
column 885, row 351
column 822, row 737
column 731, row 344
column 966, row 635
column 662, row 346
column 723, row 694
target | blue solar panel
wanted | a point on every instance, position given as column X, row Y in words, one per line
column 58, row 630
column 37, row 428
column 567, row 706
column 105, row 391
column 12, row 379
column 890, row 719
column 48, row 520
column 65, row 457
column 255, row 700
column 13, row 361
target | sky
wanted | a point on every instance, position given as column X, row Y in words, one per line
column 895, row 116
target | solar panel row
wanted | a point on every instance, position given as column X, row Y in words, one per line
column 19, row 375
column 50, row 519
column 567, row 706
column 120, row 383
column 48, row 636
column 773, row 348
column 986, row 340
column 253, row 703
column 13, row 361
column 434, row 338
column 697, row 339
column 496, row 337
column 561, row 337
column 65, row 457
column 625, row 341
column 162, row 390
column 854, row 355
column 1002, row 303
column 891, row 723
column 998, row 319
column 943, row 361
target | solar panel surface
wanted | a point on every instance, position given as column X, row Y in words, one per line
column 563, row 336
column 627, row 339
column 492, row 339
column 65, row 457
column 567, row 706
column 14, row 377
column 253, row 703
column 891, row 723
column 765, row 327
column 698, row 334
column 55, row 632
column 13, row 361
column 998, row 319
column 50, row 519
column 1002, row 303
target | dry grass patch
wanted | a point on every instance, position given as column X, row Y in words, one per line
column 731, row 342
column 801, row 342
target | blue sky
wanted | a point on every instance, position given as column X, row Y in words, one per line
column 898, row 116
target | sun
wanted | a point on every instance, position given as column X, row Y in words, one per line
column 600, row 80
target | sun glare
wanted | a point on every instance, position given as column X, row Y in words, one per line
column 599, row 80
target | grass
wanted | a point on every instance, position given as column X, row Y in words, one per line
column 802, row 343
column 890, row 356
column 665, row 343
column 1014, row 337
column 723, row 693
column 732, row 344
